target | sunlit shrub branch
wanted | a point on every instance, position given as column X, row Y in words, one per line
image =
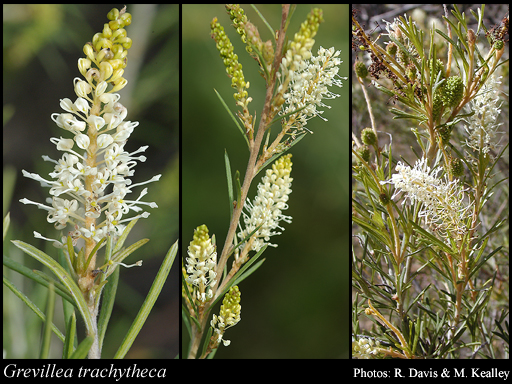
column 297, row 82
column 421, row 252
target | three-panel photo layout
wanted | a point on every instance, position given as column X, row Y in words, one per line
column 269, row 181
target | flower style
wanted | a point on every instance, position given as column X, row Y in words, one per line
column 266, row 210
column 201, row 264
column 228, row 317
column 92, row 178
column 443, row 200
column 482, row 127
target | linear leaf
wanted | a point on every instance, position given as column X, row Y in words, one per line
column 31, row 305
column 109, row 296
column 148, row 304
column 47, row 328
column 431, row 237
column 64, row 277
column 83, row 348
column 232, row 117
column 37, row 277
column 229, row 179
column 69, row 342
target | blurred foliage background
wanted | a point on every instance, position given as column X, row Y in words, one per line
column 41, row 47
column 297, row 304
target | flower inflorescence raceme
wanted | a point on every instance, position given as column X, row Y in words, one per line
column 304, row 78
column 443, row 200
column 201, row 264
column 482, row 127
column 266, row 211
column 308, row 86
column 90, row 184
column 229, row 316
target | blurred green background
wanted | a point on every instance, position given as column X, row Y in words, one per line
column 297, row 304
column 41, row 47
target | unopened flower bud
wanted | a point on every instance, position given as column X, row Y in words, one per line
column 364, row 152
column 471, row 37
column 392, row 48
column 498, row 45
column 360, row 69
column 384, row 198
column 453, row 91
column 445, row 133
column 456, row 167
column 369, row 137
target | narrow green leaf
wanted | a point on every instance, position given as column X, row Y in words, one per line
column 299, row 138
column 187, row 292
column 404, row 115
column 235, row 277
column 281, row 117
column 93, row 252
column 229, row 179
column 263, row 19
column 47, row 328
column 109, row 296
column 67, row 307
column 147, row 306
column 242, row 242
column 7, row 222
column 372, row 231
column 64, row 277
column 27, row 272
column 122, row 238
column 69, row 342
column 241, row 129
column 430, row 237
column 207, row 340
column 83, row 348
column 249, row 272
column 31, row 305
column 482, row 262
column 185, row 318
column 70, row 259
column 238, row 189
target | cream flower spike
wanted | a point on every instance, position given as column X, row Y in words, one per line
column 90, row 184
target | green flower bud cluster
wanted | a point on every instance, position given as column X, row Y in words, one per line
column 456, row 166
column 239, row 19
column 233, row 67
column 498, row 45
column 411, row 71
column 360, row 69
column 369, row 137
column 437, row 105
column 384, row 198
column 229, row 316
column 231, row 308
column 303, row 40
column 435, row 68
column 402, row 57
column 201, row 265
column 108, row 51
column 392, row 48
column 453, row 91
column 364, row 152
column 445, row 133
